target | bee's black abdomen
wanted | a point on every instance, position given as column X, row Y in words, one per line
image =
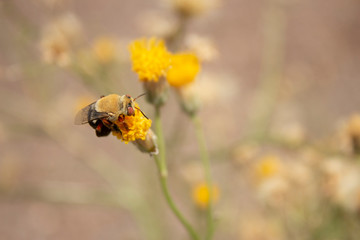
column 100, row 129
column 103, row 132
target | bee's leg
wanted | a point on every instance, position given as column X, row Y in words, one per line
column 122, row 120
column 111, row 126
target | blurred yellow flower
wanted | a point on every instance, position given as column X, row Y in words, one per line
column 184, row 69
column 268, row 166
column 201, row 195
column 133, row 127
column 150, row 59
column 104, row 49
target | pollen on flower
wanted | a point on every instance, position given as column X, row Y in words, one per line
column 184, row 69
column 133, row 127
column 150, row 59
column 201, row 195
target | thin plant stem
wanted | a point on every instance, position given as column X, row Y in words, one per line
column 206, row 165
column 271, row 80
column 162, row 168
column 161, row 143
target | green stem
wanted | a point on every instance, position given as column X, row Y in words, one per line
column 161, row 165
column 206, row 164
column 267, row 94
column 161, row 142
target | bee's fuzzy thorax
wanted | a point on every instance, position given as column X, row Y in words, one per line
column 109, row 104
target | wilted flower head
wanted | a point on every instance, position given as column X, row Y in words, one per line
column 150, row 59
column 184, row 69
column 133, row 127
column 201, row 195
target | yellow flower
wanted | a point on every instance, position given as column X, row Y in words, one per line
column 268, row 167
column 150, row 59
column 201, row 195
column 133, row 127
column 184, row 68
column 104, row 49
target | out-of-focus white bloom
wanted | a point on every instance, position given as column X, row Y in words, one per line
column 244, row 153
column 156, row 24
column 256, row 227
column 293, row 133
column 58, row 39
column 215, row 88
column 203, row 47
column 67, row 25
column 194, row 8
column 342, row 182
column 192, row 172
column 300, row 174
column 56, row 50
column 273, row 190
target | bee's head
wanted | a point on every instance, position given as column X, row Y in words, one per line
column 129, row 106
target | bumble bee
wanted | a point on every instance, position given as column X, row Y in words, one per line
column 102, row 113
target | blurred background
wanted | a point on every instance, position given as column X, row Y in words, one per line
column 279, row 91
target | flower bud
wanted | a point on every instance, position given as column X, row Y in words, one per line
column 156, row 92
column 148, row 145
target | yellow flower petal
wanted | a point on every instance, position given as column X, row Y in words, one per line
column 150, row 59
column 184, row 69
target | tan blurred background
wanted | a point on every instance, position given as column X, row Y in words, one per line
column 59, row 181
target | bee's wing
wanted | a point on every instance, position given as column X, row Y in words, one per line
column 87, row 114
